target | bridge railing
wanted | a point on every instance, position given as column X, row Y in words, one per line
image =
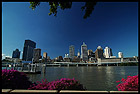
column 61, row 91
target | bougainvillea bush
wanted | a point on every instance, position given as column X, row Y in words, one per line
column 129, row 84
column 62, row 84
column 13, row 79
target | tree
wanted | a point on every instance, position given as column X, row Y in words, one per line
column 88, row 7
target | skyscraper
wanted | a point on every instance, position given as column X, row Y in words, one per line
column 107, row 52
column 16, row 54
column 44, row 55
column 66, row 55
column 91, row 54
column 28, row 50
column 84, row 53
column 78, row 54
column 36, row 54
column 120, row 54
column 99, row 52
column 71, row 51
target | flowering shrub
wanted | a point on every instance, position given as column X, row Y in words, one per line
column 62, row 84
column 129, row 84
column 13, row 79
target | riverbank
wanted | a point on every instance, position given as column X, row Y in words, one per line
column 128, row 64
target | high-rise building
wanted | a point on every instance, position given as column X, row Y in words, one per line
column 16, row 54
column 36, row 54
column 48, row 57
column 28, row 50
column 91, row 54
column 60, row 58
column 71, row 51
column 84, row 53
column 44, row 55
column 99, row 52
column 120, row 54
column 78, row 54
column 107, row 52
column 66, row 55
column 66, row 58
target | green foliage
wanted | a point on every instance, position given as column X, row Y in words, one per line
column 88, row 7
column 34, row 4
column 13, row 79
column 128, row 64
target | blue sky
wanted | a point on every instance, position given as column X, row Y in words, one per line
column 111, row 24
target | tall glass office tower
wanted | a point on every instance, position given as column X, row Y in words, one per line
column 16, row 54
column 99, row 52
column 84, row 53
column 107, row 52
column 71, row 51
column 28, row 50
column 36, row 54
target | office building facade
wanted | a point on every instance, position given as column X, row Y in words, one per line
column 44, row 55
column 84, row 53
column 107, row 52
column 78, row 54
column 28, row 50
column 91, row 54
column 66, row 55
column 71, row 51
column 16, row 54
column 99, row 52
column 120, row 54
column 36, row 54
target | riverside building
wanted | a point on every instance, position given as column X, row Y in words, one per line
column 36, row 54
column 120, row 54
column 107, row 52
column 71, row 51
column 78, row 54
column 99, row 52
column 59, row 58
column 91, row 54
column 16, row 54
column 84, row 53
column 45, row 57
column 28, row 50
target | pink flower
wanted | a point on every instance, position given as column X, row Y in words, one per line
column 129, row 84
column 117, row 81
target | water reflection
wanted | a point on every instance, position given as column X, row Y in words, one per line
column 93, row 77
column 122, row 71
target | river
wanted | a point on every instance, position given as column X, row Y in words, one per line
column 98, row 78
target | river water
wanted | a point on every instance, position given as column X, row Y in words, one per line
column 98, row 78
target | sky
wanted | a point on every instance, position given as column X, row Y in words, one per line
column 112, row 24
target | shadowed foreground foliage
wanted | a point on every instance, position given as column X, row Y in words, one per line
column 13, row 79
column 88, row 7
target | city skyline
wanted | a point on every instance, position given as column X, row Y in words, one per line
column 71, row 47
column 111, row 24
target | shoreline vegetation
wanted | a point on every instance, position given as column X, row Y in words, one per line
column 128, row 64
